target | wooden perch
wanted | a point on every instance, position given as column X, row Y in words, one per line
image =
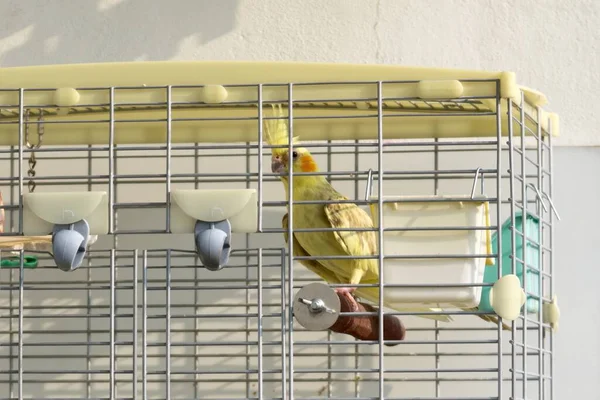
column 367, row 327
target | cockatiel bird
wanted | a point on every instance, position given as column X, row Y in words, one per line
column 331, row 215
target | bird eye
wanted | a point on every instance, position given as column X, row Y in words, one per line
column 294, row 154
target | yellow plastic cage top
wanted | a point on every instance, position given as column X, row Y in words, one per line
column 218, row 101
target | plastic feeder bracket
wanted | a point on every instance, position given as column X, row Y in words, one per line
column 213, row 243
column 69, row 244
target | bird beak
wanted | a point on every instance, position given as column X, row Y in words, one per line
column 277, row 166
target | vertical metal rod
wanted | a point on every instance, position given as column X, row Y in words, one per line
column 115, row 195
column 524, row 242
column 20, row 333
column 248, row 281
column 260, row 323
column 540, row 210
column 283, row 328
column 21, row 144
column 329, row 333
column 551, row 240
column 88, row 273
column 112, row 324
column 10, row 274
column 260, row 157
column 114, row 213
column 168, row 328
column 144, row 323
column 356, row 346
column 135, row 323
column 169, row 141
column 499, row 223
column 512, row 239
column 111, row 160
column 196, row 279
column 291, row 243
column 380, row 230
column 12, row 188
column 11, row 315
column 436, row 187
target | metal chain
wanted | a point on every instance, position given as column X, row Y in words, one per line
column 32, row 160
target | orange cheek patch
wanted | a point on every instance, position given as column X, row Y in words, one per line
column 307, row 163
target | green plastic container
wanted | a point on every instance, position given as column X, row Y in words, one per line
column 533, row 256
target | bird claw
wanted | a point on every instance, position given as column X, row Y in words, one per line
column 347, row 293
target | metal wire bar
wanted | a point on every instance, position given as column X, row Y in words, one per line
column 88, row 307
column 329, row 333
column 134, row 375
column 290, row 249
column 260, row 157
column 540, row 286
column 168, row 155
column 524, row 229
column 144, row 324
column 113, row 267
column 168, row 327
column 534, row 351
column 380, row 232
column 369, row 148
column 111, row 160
column 247, row 291
column 551, row 261
column 498, row 227
column 180, row 359
column 512, row 239
column 20, row 333
column 357, row 375
column 20, row 161
column 196, row 279
column 284, row 318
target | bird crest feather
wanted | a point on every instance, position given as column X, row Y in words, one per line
column 276, row 130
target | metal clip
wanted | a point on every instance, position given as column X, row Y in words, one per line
column 539, row 196
column 552, row 207
column 369, row 188
column 316, row 305
column 477, row 173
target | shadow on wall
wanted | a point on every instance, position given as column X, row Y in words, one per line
column 64, row 32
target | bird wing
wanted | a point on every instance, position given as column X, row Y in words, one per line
column 351, row 216
column 312, row 265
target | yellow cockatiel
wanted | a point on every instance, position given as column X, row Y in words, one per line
column 332, row 215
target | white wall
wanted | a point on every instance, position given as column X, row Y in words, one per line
column 552, row 45
column 578, row 347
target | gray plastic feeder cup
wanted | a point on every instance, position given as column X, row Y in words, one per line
column 213, row 243
column 69, row 244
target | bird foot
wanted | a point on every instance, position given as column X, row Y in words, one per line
column 347, row 293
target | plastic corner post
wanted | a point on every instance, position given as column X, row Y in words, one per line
column 69, row 244
column 213, row 243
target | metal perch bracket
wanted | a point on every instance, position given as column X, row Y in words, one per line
column 316, row 307
column 69, row 243
column 213, row 243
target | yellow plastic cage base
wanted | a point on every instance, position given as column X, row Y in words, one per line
column 76, row 101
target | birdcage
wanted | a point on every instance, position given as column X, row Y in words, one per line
column 145, row 252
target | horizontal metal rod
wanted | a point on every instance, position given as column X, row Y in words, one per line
column 273, row 380
column 277, row 355
column 252, row 343
column 232, row 146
